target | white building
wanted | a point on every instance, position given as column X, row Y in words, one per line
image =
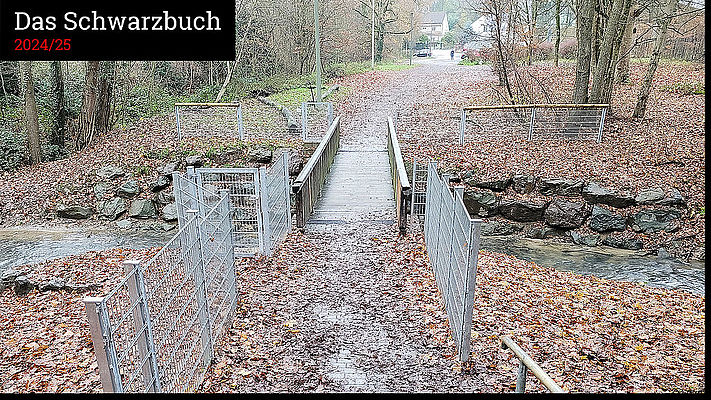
column 435, row 26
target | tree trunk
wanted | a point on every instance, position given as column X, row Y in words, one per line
column 584, row 32
column 557, row 32
column 623, row 64
column 87, row 114
column 605, row 58
column 666, row 17
column 107, row 70
column 61, row 115
column 31, row 122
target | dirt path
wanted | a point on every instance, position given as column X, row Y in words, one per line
column 331, row 313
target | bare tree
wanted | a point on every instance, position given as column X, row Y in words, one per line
column 585, row 15
column 664, row 20
column 31, row 121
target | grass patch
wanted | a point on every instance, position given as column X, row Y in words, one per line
column 467, row 61
column 685, row 88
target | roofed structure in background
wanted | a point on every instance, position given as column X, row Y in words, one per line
column 434, row 25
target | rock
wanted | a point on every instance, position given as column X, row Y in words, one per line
column 165, row 197
column 167, row 226
column 124, row 224
column 109, row 172
column 522, row 210
column 566, row 214
column 698, row 253
column 23, row 285
column 111, row 209
column 649, row 196
column 296, row 162
column 594, row 193
column 142, row 209
column 101, row 189
column 585, row 240
column 170, row 212
column 483, row 203
column 603, row 220
column 260, row 154
column 623, row 243
column 161, row 183
column 7, row 278
column 53, row 284
column 167, row 170
column 673, row 199
column 129, row 189
column 496, row 185
column 523, row 183
column 74, row 212
column 647, row 221
column 663, row 254
column 542, row 233
column 499, row 228
column 194, row 161
column 560, row 187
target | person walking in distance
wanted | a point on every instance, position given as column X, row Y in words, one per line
column 451, row 55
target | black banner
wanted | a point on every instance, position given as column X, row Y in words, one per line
column 117, row 30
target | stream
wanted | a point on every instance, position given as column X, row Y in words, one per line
column 604, row 262
column 26, row 246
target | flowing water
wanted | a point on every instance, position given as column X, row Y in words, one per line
column 31, row 246
column 21, row 247
column 605, row 262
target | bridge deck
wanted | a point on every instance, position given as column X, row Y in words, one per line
column 357, row 189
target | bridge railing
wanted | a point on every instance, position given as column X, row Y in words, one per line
column 526, row 363
column 452, row 239
column 398, row 173
column 307, row 186
column 535, row 121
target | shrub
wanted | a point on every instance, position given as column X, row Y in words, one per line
column 13, row 151
column 568, row 49
column 685, row 88
column 543, row 51
column 52, row 152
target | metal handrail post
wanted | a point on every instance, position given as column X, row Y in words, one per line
column 528, row 363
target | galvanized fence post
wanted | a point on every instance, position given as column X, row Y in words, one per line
column 142, row 325
column 103, row 344
column 521, row 377
column 240, row 123
column 266, row 234
column 462, row 127
column 198, row 273
column 533, row 120
column 414, row 185
column 602, row 124
column 177, row 121
column 287, row 191
column 304, row 121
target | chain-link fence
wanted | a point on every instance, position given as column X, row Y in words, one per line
column 155, row 331
column 452, row 240
column 534, row 121
column 316, row 118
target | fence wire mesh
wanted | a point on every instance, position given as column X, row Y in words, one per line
column 278, row 198
column 316, row 118
column 452, row 240
column 535, row 122
column 419, row 188
column 155, row 330
column 262, row 121
column 208, row 119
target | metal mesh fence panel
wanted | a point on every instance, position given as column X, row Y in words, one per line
column 533, row 121
column 243, row 187
column 262, row 121
column 278, row 195
column 208, row 119
column 452, row 240
column 155, row 330
column 316, row 118
column 419, row 188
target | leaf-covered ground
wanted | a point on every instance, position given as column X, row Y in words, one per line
column 31, row 194
column 666, row 149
